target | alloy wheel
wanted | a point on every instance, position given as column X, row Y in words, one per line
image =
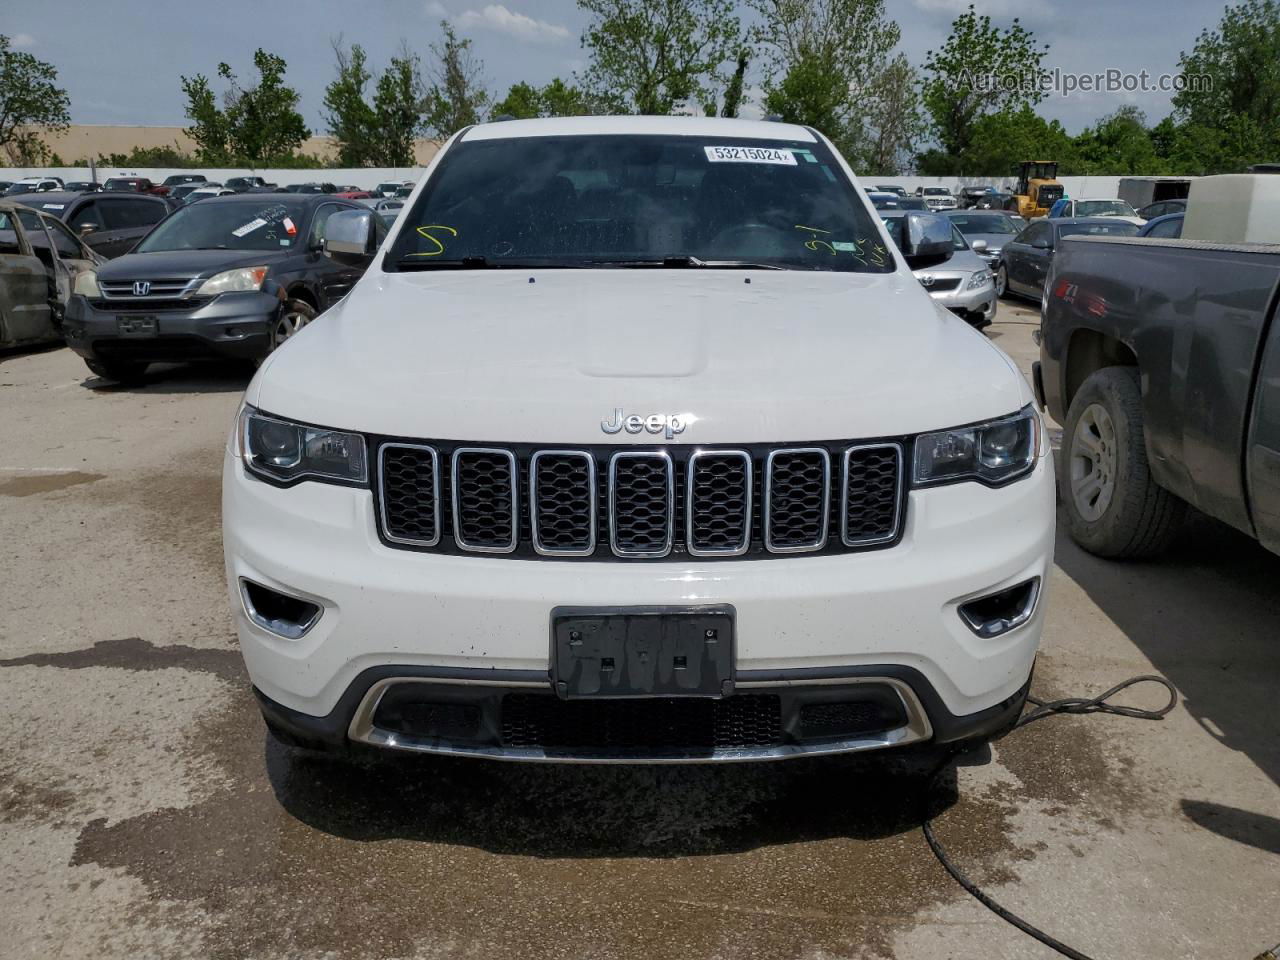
column 1093, row 462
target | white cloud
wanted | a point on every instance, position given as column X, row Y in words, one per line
column 20, row 40
column 997, row 9
column 434, row 8
column 497, row 17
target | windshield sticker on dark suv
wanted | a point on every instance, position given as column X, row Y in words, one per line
column 249, row 227
column 783, row 158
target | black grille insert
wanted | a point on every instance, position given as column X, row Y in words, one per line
column 485, row 500
column 410, row 493
column 718, row 503
column 563, row 495
column 608, row 502
column 674, row 723
column 797, row 499
column 641, row 504
column 872, row 482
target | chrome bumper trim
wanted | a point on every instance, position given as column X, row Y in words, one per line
column 917, row 729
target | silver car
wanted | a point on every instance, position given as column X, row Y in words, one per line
column 987, row 231
column 964, row 284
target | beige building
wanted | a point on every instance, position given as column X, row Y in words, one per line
column 83, row 140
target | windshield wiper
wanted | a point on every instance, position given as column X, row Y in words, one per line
column 478, row 263
column 685, row 260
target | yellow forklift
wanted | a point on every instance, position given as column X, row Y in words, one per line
column 1038, row 188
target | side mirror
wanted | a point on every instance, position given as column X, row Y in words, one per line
column 87, row 228
column 926, row 240
column 1040, row 245
column 979, row 246
column 349, row 237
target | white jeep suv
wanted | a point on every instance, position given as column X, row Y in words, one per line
column 638, row 441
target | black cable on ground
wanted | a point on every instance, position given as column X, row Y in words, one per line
column 1040, row 710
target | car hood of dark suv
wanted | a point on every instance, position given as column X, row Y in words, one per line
column 165, row 264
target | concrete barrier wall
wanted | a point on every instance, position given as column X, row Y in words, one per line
column 368, row 177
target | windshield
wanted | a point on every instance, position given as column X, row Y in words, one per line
column 937, row 192
column 1121, row 229
column 637, row 200
column 975, row 226
column 229, row 226
column 1103, row 208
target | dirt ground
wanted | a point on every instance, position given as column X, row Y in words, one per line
column 146, row 814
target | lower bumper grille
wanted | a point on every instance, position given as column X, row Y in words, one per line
column 743, row 720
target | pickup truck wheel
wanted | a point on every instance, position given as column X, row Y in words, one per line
column 1002, row 281
column 119, row 371
column 294, row 315
column 1113, row 506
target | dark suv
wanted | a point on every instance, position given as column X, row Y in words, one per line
column 231, row 276
column 109, row 224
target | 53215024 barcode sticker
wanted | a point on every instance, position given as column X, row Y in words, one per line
column 783, row 158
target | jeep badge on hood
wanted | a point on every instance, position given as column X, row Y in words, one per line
column 670, row 424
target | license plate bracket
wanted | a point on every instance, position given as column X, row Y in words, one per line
column 136, row 326
column 601, row 652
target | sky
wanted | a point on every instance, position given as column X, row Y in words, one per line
column 121, row 63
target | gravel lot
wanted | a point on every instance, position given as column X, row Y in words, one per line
column 146, row 814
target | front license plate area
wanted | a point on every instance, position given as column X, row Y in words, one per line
column 137, row 326
column 642, row 652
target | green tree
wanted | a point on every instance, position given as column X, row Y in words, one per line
column 830, row 64
column 734, row 92
column 457, row 96
column 1241, row 62
column 658, row 56
column 557, row 99
column 1118, row 144
column 397, row 110
column 258, row 126
column 29, row 96
column 981, row 70
column 380, row 134
column 348, row 114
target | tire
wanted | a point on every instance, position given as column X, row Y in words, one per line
column 117, row 370
column 293, row 316
column 1114, row 508
column 1002, row 282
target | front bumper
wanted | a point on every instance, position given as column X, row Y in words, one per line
column 861, row 615
column 976, row 307
column 232, row 325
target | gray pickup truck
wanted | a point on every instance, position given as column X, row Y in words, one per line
column 1161, row 359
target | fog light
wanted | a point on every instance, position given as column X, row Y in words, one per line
column 278, row 613
column 1000, row 612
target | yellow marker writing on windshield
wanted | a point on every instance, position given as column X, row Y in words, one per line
column 425, row 233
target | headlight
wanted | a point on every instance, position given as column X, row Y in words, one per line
column 979, row 279
column 992, row 453
column 87, row 284
column 282, row 450
column 233, row 281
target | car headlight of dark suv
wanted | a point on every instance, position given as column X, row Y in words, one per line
column 283, row 451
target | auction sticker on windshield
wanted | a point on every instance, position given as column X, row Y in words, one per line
column 750, row 155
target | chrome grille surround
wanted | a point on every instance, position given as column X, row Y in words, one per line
column 693, row 513
column 508, row 545
column 536, row 506
column 433, row 457
column 771, row 481
column 847, row 481
column 581, row 504
column 615, row 535
column 167, row 289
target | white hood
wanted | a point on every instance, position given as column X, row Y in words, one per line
column 544, row 356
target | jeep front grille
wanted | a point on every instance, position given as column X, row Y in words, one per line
column 633, row 503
